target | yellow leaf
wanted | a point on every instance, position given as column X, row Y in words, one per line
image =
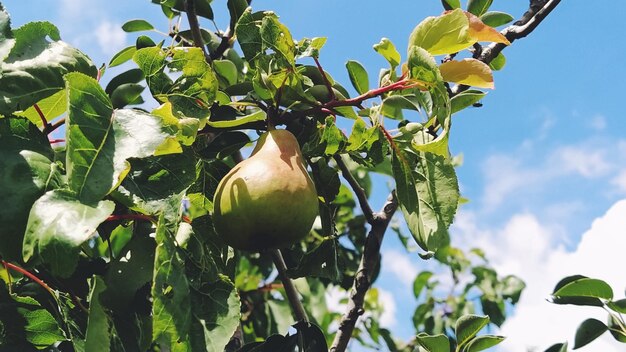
column 481, row 32
column 470, row 72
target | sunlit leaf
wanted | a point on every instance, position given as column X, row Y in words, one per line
column 468, row 326
column 137, row 26
column 358, row 76
column 58, row 224
column 470, row 72
column 585, row 287
column 386, row 48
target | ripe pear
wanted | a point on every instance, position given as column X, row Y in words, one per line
column 268, row 200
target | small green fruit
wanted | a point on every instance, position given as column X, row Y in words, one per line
column 268, row 200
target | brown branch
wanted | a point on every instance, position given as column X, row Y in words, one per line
column 194, row 26
column 358, row 190
column 292, row 294
column 363, row 279
column 42, row 116
column 537, row 12
column 51, row 127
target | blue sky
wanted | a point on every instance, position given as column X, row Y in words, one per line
column 544, row 158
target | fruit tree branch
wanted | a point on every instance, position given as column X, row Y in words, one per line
column 358, row 190
column 537, row 12
column 194, row 26
column 292, row 294
column 363, row 279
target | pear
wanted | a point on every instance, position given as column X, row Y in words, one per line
column 268, row 200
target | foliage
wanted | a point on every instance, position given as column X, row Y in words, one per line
column 107, row 238
column 583, row 291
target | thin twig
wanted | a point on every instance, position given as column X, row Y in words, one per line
column 51, row 127
column 358, row 190
column 194, row 26
column 42, row 116
column 29, row 275
column 292, row 294
column 331, row 93
column 363, row 279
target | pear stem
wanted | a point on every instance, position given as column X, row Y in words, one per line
column 292, row 294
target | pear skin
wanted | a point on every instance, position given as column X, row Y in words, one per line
column 268, row 200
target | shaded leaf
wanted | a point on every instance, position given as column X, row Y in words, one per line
column 616, row 328
column 255, row 116
column 97, row 336
column 498, row 62
column 557, row 347
column 618, row 306
column 588, row 331
column 171, row 309
column 451, row 4
column 421, row 280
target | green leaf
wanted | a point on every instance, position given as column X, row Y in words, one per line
column 445, row 34
column 6, row 36
column 171, row 308
column 436, row 343
column 133, row 75
column 332, row 137
column 236, row 8
column 498, row 62
column 618, row 306
column 358, row 76
column 255, row 116
column 100, row 142
column 227, row 70
column 320, row 262
column 465, row 99
column 478, row 7
column 386, row 48
column 480, row 343
column 137, row 26
column 496, row 18
column 58, row 224
column 97, row 336
column 248, row 33
column 275, row 36
column 195, row 91
column 585, row 287
column 34, row 68
column 468, row 326
column 26, row 172
column 557, row 347
column 451, row 4
column 582, row 301
column 125, row 94
column 421, row 280
column 512, row 288
column 39, row 326
column 51, row 107
column 616, row 328
column 588, row 331
column 428, row 194
column 422, row 66
column 122, row 56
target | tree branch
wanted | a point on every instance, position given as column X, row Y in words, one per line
column 194, row 26
column 363, row 279
column 537, row 12
column 358, row 190
column 292, row 294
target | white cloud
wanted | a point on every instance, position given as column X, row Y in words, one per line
column 399, row 265
column 582, row 160
column 527, row 248
column 111, row 38
column 598, row 122
column 388, row 302
column 619, row 181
